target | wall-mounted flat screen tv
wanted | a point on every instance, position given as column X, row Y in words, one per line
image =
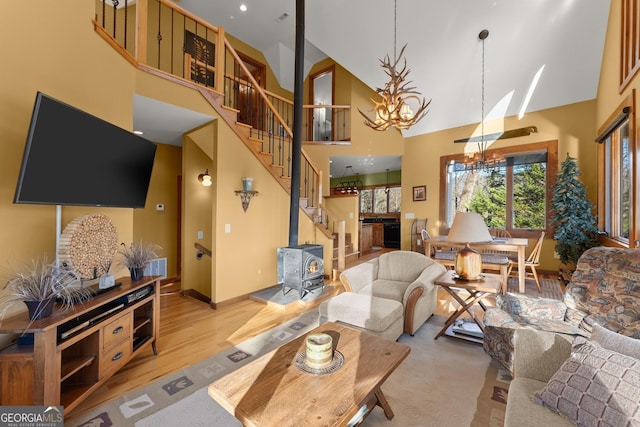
column 74, row 158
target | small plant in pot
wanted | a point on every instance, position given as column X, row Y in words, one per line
column 137, row 257
column 40, row 286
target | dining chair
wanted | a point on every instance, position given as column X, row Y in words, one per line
column 425, row 236
column 531, row 263
column 499, row 233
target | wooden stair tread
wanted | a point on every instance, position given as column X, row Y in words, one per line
column 230, row 109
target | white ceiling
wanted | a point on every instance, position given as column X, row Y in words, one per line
column 363, row 165
column 162, row 122
column 564, row 38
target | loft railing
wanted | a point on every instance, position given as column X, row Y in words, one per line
column 160, row 37
column 169, row 40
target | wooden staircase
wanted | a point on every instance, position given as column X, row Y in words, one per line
column 230, row 115
column 271, row 145
column 255, row 145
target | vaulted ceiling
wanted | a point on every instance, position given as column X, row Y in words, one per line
column 562, row 40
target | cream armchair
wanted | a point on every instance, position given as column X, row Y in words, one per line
column 403, row 276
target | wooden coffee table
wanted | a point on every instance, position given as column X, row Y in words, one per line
column 274, row 391
column 477, row 290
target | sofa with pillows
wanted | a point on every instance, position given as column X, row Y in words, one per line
column 604, row 289
column 559, row 380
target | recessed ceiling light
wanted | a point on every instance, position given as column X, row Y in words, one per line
column 243, row 7
column 138, row 132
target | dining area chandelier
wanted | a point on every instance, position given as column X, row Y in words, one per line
column 480, row 160
column 394, row 107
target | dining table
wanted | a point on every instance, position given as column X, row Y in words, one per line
column 515, row 245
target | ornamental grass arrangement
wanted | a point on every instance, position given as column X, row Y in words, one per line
column 39, row 286
column 137, row 257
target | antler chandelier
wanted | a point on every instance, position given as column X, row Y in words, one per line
column 393, row 109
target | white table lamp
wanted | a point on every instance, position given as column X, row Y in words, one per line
column 468, row 227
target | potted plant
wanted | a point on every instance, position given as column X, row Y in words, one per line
column 137, row 257
column 40, row 286
column 574, row 223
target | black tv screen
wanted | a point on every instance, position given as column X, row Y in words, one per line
column 74, row 158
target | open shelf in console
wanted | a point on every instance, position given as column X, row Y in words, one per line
column 79, row 368
column 73, row 352
column 142, row 324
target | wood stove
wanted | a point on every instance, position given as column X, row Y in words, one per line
column 301, row 267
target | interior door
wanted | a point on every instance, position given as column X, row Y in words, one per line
column 252, row 110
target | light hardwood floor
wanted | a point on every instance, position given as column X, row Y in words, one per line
column 191, row 331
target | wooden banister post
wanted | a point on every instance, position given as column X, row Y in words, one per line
column 342, row 228
column 319, row 188
column 220, row 61
column 142, row 16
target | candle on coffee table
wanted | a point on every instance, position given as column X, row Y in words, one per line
column 319, row 351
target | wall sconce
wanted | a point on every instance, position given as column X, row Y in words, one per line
column 246, row 196
column 247, row 192
column 205, row 178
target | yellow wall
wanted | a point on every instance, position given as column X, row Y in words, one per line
column 71, row 63
column 198, row 208
column 608, row 93
column 573, row 126
column 161, row 227
column 246, row 256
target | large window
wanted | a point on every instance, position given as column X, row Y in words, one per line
column 514, row 197
column 379, row 200
column 618, row 183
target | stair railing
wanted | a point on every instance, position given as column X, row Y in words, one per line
column 173, row 43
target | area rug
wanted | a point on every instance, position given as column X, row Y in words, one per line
column 442, row 382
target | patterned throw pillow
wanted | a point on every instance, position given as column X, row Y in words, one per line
column 540, row 308
column 595, row 387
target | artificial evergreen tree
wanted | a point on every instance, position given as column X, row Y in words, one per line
column 575, row 225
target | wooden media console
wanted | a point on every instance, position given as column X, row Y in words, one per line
column 75, row 351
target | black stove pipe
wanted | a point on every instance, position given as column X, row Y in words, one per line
column 296, row 155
